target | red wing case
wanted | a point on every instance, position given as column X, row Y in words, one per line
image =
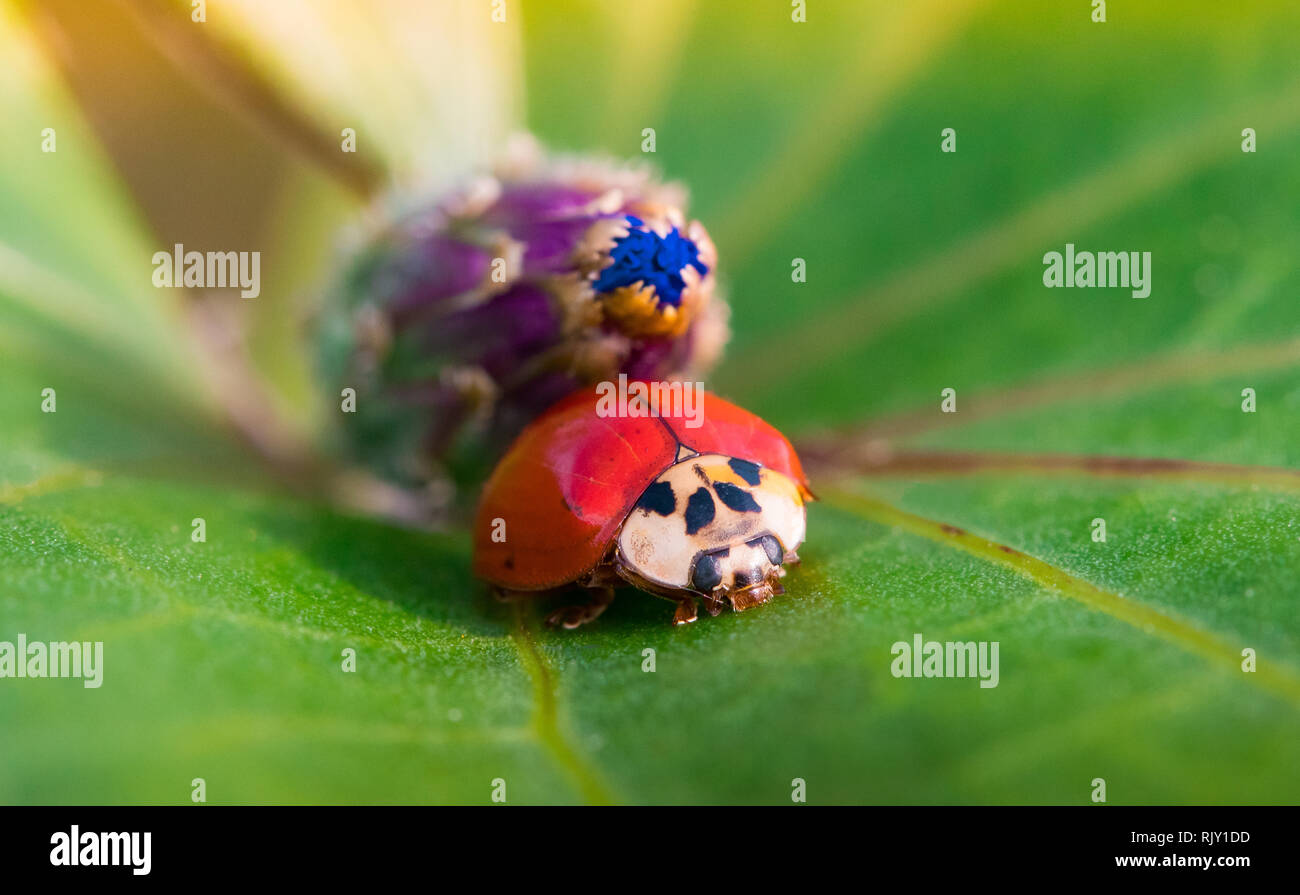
column 562, row 491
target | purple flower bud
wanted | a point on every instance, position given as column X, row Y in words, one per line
column 462, row 320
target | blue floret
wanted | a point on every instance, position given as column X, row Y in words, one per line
column 645, row 256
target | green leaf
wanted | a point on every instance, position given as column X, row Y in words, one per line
column 1119, row 659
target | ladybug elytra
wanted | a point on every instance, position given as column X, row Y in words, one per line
column 711, row 514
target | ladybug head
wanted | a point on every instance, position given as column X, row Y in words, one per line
column 717, row 526
column 745, row 574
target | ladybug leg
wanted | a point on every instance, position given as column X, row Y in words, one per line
column 714, row 604
column 687, row 611
column 571, row 617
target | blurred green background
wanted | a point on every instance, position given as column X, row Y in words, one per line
column 817, row 140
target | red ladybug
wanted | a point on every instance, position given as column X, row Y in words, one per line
column 707, row 513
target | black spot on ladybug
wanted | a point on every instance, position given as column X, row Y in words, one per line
column 746, row 470
column 742, row 578
column 738, row 499
column 707, row 575
column 772, row 547
column 658, row 498
column 699, row 510
column 510, row 562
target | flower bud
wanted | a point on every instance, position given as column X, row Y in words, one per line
column 462, row 320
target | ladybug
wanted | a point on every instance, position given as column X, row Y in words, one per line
column 707, row 508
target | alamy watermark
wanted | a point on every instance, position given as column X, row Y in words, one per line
column 640, row 398
column 77, row 849
column 208, row 270
column 78, row 658
column 1101, row 270
column 934, row 658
